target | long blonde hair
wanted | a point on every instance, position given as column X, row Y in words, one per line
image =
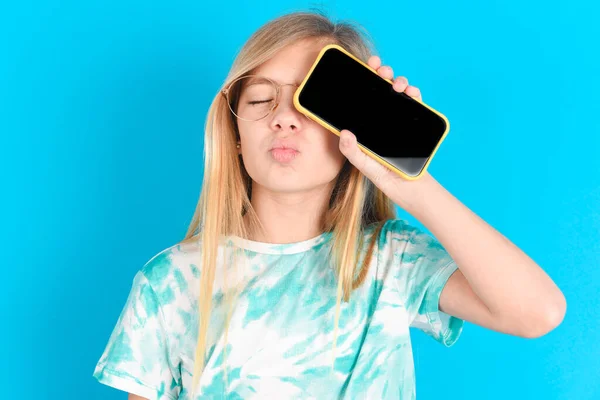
column 355, row 202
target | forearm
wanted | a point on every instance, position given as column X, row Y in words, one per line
column 507, row 281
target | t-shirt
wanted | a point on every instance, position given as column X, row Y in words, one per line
column 279, row 344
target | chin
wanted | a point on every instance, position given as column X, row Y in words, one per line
column 286, row 186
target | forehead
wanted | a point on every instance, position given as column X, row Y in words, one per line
column 292, row 63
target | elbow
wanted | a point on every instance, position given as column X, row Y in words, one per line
column 547, row 320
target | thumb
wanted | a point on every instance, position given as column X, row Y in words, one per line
column 376, row 172
column 349, row 148
column 348, row 143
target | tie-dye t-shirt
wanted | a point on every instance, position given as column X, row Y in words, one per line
column 279, row 343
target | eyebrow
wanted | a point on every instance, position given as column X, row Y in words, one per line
column 259, row 78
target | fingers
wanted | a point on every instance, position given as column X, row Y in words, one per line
column 386, row 71
column 414, row 92
column 400, row 84
column 374, row 62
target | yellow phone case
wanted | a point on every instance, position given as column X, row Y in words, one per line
column 363, row 148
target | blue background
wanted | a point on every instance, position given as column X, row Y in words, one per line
column 102, row 106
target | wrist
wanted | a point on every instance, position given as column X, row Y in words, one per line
column 412, row 196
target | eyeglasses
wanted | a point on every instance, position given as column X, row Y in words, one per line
column 253, row 97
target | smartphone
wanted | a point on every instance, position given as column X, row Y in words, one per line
column 342, row 92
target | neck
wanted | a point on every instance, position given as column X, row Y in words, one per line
column 289, row 217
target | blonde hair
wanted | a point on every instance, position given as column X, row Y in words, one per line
column 355, row 202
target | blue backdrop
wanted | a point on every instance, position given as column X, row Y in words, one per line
column 102, row 106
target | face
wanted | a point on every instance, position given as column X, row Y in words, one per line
column 318, row 159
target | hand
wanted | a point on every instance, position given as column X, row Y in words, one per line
column 389, row 182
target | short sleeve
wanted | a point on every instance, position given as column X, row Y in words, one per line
column 425, row 268
column 136, row 358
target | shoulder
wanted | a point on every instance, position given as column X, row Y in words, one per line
column 403, row 241
column 401, row 231
column 396, row 230
column 408, row 244
column 171, row 271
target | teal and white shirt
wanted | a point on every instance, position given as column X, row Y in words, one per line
column 279, row 344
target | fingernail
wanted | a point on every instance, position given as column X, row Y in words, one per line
column 345, row 138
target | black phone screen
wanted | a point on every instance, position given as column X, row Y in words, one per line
column 390, row 124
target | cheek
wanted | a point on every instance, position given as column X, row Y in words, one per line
column 252, row 159
column 329, row 155
column 250, row 139
column 333, row 146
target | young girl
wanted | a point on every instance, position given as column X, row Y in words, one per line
column 296, row 279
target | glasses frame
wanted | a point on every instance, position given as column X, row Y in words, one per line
column 225, row 92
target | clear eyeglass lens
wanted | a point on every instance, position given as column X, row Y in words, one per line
column 256, row 97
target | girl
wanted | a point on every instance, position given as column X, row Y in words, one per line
column 296, row 279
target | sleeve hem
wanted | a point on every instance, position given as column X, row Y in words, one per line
column 452, row 326
column 126, row 383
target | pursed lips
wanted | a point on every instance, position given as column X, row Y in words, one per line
column 278, row 144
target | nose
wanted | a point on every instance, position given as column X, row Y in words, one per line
column 285, row 115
